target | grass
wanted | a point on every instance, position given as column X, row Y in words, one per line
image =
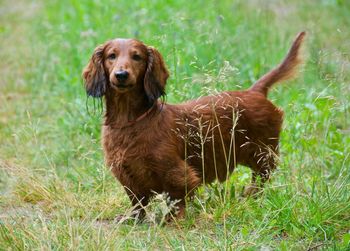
column 54, row 188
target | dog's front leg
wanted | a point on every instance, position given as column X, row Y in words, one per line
column 180, row 182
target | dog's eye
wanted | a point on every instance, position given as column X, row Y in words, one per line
column 111, row 56
column 136, row 57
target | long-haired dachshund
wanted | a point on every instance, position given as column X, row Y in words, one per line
column 154, row 147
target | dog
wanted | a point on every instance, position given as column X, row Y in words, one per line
column 153, row 147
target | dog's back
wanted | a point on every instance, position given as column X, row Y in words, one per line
column 238, row 127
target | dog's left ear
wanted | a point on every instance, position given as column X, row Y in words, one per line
column 156, row 75
column 94, row 74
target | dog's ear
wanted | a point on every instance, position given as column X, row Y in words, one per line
column 94, row 75
column 156, row 75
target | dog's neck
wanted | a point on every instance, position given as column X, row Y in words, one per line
column 122, row 108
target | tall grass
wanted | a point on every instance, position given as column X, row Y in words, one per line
column 55, row 192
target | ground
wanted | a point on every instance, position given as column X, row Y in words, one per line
column 56, row 193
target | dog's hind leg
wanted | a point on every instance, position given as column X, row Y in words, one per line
column 262, row 165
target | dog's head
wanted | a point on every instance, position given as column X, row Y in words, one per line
column 124, row 66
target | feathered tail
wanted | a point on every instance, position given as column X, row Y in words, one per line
column 286, row 70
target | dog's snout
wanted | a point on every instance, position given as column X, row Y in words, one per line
column 121, row 75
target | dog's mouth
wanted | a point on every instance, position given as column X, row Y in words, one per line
column 121, row 86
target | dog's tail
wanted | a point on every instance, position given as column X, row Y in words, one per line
column 286, row 70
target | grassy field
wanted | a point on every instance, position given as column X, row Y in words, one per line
column 56, row 193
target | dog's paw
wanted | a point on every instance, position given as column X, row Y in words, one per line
column 251, row 191
column 134, row 217
column 120, row 218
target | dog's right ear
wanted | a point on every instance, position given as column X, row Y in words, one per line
column 156, row 75
column 94, row 75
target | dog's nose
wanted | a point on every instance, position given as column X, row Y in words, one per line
column 121, row 75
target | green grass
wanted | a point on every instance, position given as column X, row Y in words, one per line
column 54, row 188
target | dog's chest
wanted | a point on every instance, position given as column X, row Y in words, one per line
column 122, row 146
column 136, row 177
column 125, row 156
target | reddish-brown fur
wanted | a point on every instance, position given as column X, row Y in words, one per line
column 155, row 147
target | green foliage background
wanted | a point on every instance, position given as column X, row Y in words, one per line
column 55, row 192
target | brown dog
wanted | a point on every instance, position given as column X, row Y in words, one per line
column 155, row 147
